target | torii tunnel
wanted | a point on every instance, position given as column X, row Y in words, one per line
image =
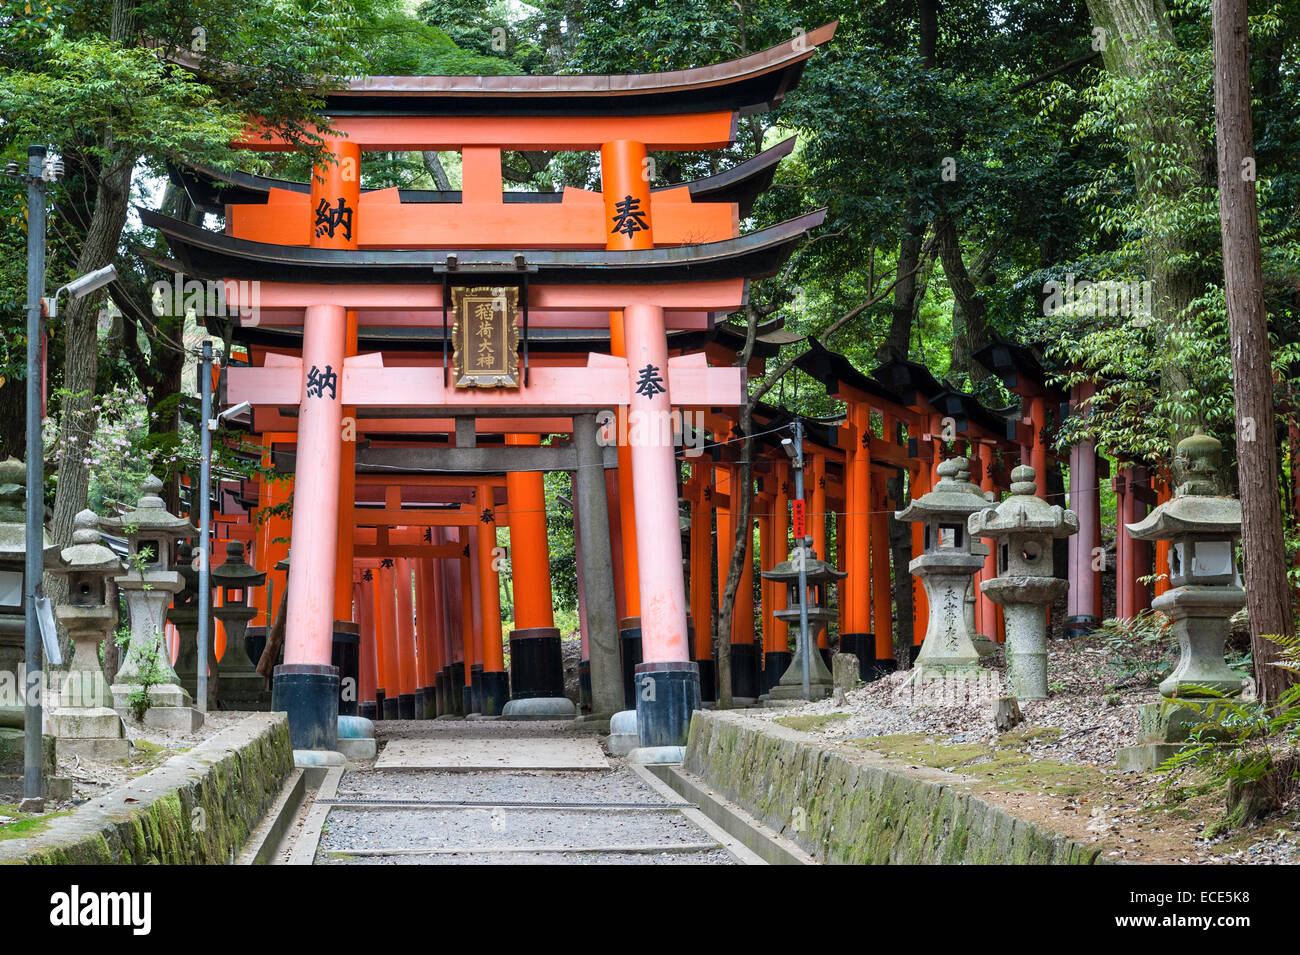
column 406, row 352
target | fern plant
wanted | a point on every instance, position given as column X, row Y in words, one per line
column 1241, row 743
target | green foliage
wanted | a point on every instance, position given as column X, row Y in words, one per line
column 1130, row 643
column 1239, row 743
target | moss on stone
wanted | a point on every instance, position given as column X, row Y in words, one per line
column 811, row 724
column 855, row 809
column 205, row 807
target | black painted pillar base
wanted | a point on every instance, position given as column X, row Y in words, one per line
column 883, row 667
column 629, row 650
column 466, row 700
column 392, row 708
column 827, row 654
column 862, row 646
column 379, row 704
column 439, row 693
column 367, row 710
column 912, row 652
column 426, row 703
column 708, row 681
column 745, row 671
column 584, row 685
column 476, row 687
column 666, row 696
column 406, row 706
column 309, row 693
column 496, row 692
column 775, row 663
column 346, row 657
column 458, row 688
column 536, row 663
column 1074, row 627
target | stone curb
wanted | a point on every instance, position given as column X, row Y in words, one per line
column 198, row 808
column 862, row 808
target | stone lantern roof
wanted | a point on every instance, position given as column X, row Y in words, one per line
column 86, row 553
column 150, row 516
column 1196, row 507
column 236, row 573
column 1023, row 512
column 816, row 570
column 13, row 516
column 953, row 495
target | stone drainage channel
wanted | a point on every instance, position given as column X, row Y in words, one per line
column 497, row 793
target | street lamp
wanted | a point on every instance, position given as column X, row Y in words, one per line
column 40, row 172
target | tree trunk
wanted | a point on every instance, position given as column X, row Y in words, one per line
column 1128, row 24
column 1267, row 593
column 80, row 318
column 970, row 328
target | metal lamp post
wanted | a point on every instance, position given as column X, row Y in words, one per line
column 39, row 173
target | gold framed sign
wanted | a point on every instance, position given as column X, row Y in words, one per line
column 485, row 338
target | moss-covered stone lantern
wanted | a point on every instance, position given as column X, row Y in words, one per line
column 947, row 565
column 1203, row 527
column 819, row 576
column 241, row 686
column 13, row 557
column 84, row 722
column 152, row 535
column 1022, row 529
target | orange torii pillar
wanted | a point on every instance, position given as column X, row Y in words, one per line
column 496, row 681
column 882, row 597
column 454, row 671
column 766, row 560
column 668, row 684
column 536, row 661
column 1085, row 566
column 406, row 674
column 368, row 677
column 816, row 495
column 469, row 562
column 469, row 621
column 986, row 611
column 386, row 618
column 629, row 626
column 442, row 626
column 424, row 704
column 746, row 666
column 920, row 485
column 776, row 645
column 859, row 638
column 702, row 575
column 346, row 638
column 306, row 685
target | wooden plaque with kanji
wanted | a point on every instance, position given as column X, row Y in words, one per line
column 485, row 338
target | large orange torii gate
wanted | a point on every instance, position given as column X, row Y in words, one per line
column 322, row 276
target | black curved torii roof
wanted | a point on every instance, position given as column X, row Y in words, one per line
column 210, row 190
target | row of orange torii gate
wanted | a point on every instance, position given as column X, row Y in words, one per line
column 426, row 584
column 416, row 360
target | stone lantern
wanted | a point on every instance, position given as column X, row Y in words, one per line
column 241, row 686
column 13, row 557
column 84, row 722
column 947, row 565
column 184, row 616
column 818, row 575
column 1022, row 529
column 1205, row 586
column 152, row 535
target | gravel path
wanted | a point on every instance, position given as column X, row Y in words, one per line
column 505, row 817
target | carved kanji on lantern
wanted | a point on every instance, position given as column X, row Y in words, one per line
column 485, row 338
